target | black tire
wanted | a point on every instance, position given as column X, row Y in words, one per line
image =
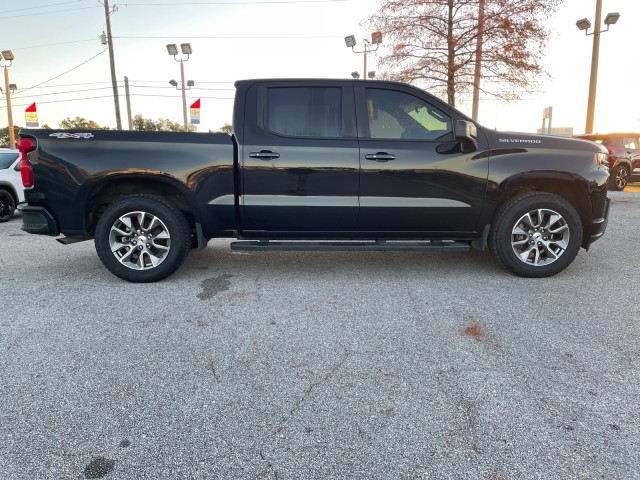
column 536, row 234
column 619, row 178
column 142, row 238
column 7, row 206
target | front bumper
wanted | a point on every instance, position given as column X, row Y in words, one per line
column 599, row 224
column 38, row 220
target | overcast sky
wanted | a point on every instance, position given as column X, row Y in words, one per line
column 239, row 39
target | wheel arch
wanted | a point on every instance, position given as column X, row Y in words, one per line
column 98, row 195
column 572, row 188
column 622, row 161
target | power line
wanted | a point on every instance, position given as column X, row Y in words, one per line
column 106, row 88
column 255, row 37
column 191, row 88
column 247, row 2
column 178, row 96
column 47, row 13
column 54, row 44
column 58, row 101
column 64, row 73
column 40, row 6
column 164, row 81
column 74, row 84
column 60, row 93
column 110, row 96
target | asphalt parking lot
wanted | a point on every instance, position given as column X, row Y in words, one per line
column 315, row 365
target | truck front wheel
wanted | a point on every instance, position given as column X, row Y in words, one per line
column 142, row 238
column 536, row 234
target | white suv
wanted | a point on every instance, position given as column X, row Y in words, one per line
column 11, row 191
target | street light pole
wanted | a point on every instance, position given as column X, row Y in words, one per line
column 364, row 71
column 7, row 56
column 585, row 24
column 184, row 97
column 186, row 50
column 593, row 81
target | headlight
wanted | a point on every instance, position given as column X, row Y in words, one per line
column 601, row 159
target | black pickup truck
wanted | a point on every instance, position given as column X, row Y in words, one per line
column 318, row 164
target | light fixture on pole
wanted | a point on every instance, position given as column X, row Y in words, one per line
column 376, row 39
column 6, row 59
column 190, row 83
column 12, row 87
column 355, row 75
column 186, row 50
column 585, row 24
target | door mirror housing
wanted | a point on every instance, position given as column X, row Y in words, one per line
column 467, row 133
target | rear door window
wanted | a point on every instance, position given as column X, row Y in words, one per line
column 631, row 143
column 304, row 111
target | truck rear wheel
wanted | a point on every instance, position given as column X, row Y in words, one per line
column 536, row 234
column 142, row 238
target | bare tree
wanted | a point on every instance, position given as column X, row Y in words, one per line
column 444, row 45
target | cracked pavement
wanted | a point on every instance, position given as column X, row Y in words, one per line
column 316, row 365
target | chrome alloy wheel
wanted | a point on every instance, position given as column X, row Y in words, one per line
column 139, row 240
column 540, row 237
column 622, row 178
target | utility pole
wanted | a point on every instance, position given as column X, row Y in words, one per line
column 113, row 65
column 478, row 65
column 126, row 92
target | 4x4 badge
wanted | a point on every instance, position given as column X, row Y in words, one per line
column 71, row 135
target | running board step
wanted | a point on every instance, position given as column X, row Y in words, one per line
column 446, row 245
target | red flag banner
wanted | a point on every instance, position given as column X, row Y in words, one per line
column 31, row 116
column 195, row 112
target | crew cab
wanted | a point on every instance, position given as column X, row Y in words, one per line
column 318, row 164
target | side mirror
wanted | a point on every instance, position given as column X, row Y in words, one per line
column 467, row 133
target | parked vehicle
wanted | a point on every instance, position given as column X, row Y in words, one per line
column 11, row 191
column 318, row 164
column 623, row 158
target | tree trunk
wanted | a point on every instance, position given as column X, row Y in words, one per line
column 451, row 71
column 478, row 66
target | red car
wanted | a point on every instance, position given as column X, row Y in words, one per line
column 624, row 156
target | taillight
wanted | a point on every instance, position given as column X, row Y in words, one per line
column 611, row 150
column 26, row 145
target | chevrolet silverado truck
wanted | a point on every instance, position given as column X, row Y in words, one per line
column 318, row 164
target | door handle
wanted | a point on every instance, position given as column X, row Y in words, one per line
column 380, row 156
column 264, row 155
